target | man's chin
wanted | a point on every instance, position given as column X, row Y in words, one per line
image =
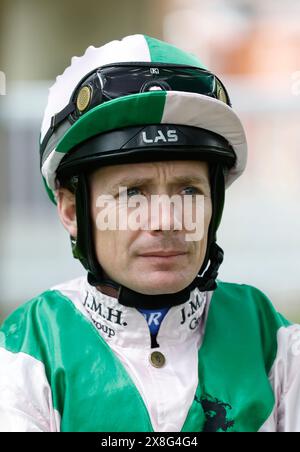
column 161, row 283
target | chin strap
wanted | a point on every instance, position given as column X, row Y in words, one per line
column 207, row 282
column 130, row 298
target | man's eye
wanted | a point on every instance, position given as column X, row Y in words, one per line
column 133, row 191
column 191, row 190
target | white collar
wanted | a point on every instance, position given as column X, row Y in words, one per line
column 126, row 327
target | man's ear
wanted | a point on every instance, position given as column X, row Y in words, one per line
column 66, row 206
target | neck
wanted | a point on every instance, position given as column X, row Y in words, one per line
column 108, row 290
column 130, row 298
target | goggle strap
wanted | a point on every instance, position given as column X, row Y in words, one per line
column 55, row 121
column 62, row 115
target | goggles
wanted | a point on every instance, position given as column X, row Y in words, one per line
column 123, row 79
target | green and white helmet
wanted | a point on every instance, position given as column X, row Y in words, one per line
column 139, row 99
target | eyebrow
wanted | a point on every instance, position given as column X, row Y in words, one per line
column 175, row 181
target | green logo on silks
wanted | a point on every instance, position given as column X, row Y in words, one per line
column 2, row 84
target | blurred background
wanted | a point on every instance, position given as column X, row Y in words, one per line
column 253, row 46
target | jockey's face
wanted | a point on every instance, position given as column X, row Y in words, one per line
column 147, row 247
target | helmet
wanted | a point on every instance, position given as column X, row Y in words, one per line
column 139, row 100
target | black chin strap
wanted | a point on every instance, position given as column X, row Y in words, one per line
column 130, row 298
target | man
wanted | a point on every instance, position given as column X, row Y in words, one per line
column 149, row 340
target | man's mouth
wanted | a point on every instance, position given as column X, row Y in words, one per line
column 164, row 254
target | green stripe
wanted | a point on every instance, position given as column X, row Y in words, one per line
column 88, row 382
column 133, row 110
column 162, row 52
column 49, row 191
column 237, row 355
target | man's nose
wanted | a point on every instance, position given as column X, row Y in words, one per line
column 165, row 217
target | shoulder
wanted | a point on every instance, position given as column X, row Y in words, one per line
column 248, row 312
column 245, row 290
column 250, row 299
column 30, row 345
column 285, row 381
column 34, row 322
column 252, row 322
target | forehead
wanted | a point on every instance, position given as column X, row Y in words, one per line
column 153, row 170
